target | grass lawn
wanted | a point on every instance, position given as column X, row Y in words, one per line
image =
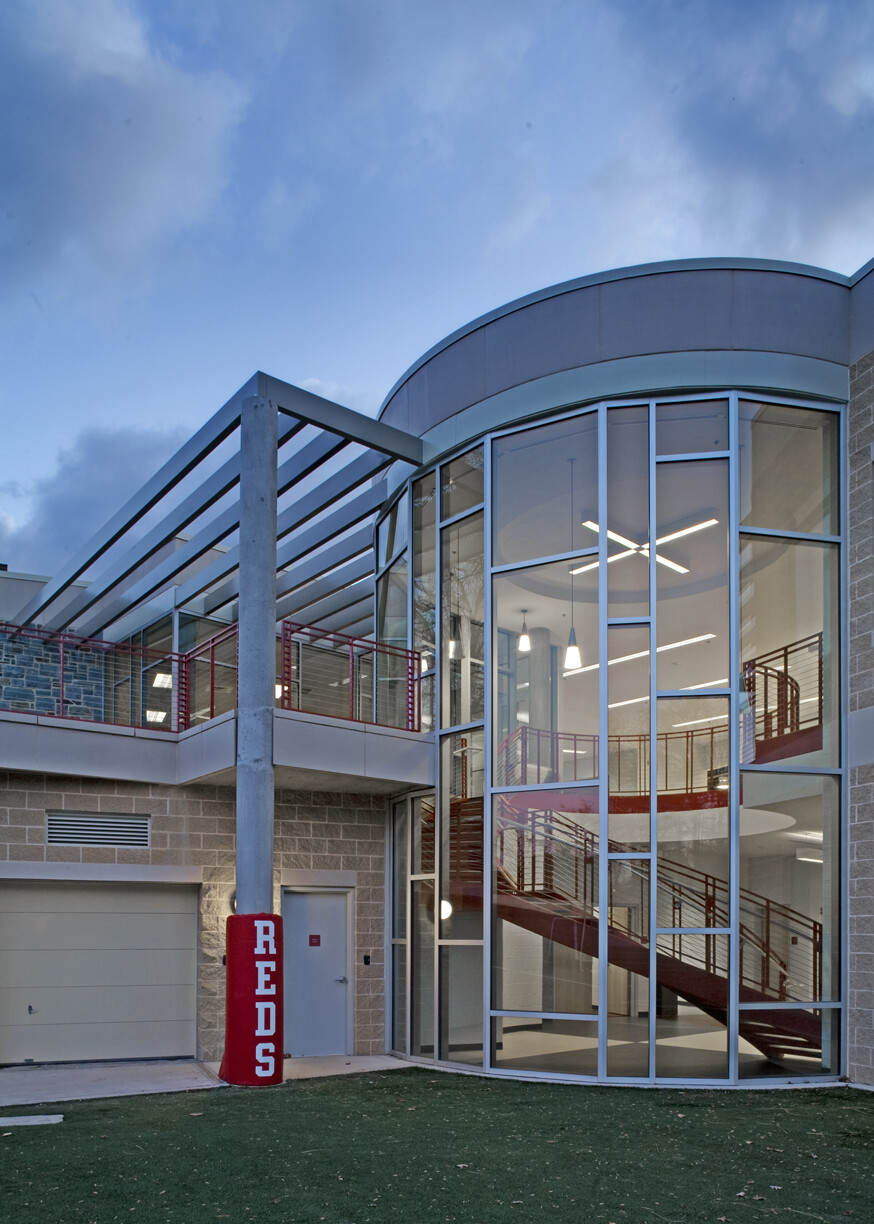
column 420, row 1146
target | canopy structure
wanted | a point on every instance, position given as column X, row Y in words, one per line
column 178, row 533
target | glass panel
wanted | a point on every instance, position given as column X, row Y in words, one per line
column 692, row 428
column 790, row 634
column 399, row 997
column 788, row 468
column 787, row 1042
column 399, row 871
column 693, row 815
column 391, row 628
column 422, row 992
column 194, row 630
column 391, row 605
column 790, row 888
column 391, row 534
column 562, row 1047
column 545, row 899
column 461, row 836
column 547, row 724
column 463, row 641
column 628, row 968
column 422, row 835
column 691, row 1006
column 425, row 569
column 536, row 512
column 628, row 511
column 692, row 574
column 628, row 732
column 461, row 486
column 426, row 696
column 461, row 1004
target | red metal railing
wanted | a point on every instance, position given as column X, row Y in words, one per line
column 784, row 689
column 317, row 672
column 62, row 675
column 688, row 761
column 545, row 854
column 348, row 677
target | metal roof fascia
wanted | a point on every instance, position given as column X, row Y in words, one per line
column 709, row 264
column 353, row 426
column 216, row 429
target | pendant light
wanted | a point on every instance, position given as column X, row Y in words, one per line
column 524, row 639
column 572, row 659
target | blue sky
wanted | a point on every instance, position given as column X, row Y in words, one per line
column 191, row 190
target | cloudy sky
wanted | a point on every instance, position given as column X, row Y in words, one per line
column 191, row 190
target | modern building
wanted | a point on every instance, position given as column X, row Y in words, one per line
column 572, row 659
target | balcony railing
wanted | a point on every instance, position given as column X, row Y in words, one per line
column 60, row 675
column 317, row 672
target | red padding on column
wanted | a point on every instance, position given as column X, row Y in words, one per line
column 253, row 1029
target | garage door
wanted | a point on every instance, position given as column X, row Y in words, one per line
column 91, row 971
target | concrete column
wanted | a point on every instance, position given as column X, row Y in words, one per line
column 257, row 657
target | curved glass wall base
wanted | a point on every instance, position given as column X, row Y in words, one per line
column 630, row 617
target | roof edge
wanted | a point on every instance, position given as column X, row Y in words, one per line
column 712, row 263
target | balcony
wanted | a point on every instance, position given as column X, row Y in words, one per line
column 62, row 676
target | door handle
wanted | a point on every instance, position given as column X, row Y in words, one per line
column 342, row 979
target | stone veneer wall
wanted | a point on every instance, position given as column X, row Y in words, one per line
column 193, row 826
column 861, row 799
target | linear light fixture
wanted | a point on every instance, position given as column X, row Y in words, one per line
column 643, row 654
column 643, row 549
column 631, row 701
column 689, row 688
column 695, row 722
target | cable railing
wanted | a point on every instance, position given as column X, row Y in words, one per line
column 61, row 675
column 545, row 854
column 317, row 672
column 690, row 761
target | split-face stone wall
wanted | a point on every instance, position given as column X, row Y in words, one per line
column 194, row 826
column 861, row 781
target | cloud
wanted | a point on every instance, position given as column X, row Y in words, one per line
column 752, row 130
column 109, row 147
column 92, row 479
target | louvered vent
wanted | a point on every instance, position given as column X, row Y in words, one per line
column 85, row 829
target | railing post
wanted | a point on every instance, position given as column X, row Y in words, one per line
column 61, row 666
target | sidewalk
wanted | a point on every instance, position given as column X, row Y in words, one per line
column 50, row 1082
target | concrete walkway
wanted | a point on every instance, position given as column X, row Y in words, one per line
column 43, row 1083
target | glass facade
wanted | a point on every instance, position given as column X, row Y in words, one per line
column 631, row 868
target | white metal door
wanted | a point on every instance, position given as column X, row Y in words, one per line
column 95, row 971
column 317, row 968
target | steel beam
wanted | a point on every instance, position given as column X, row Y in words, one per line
column 207, row 438
column 353, row 426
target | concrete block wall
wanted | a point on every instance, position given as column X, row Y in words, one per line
column 861, row 696
column 194, row 826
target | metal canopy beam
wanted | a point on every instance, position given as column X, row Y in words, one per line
column 295, row 545
column 290, row 605
column 355, row 427
column 326, row 560
column 306, row 461
column 344, row 597
column 207, row 438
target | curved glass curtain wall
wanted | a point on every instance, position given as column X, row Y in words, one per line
column 574, row 902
